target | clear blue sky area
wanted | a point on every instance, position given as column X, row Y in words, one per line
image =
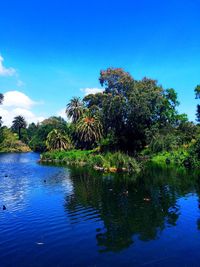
column 59, row 47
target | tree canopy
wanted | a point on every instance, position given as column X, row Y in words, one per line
column 132, row 110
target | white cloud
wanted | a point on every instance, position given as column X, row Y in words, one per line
column 9, row 114
column 17, row 103
column 5, row 71
column 17, row 99
column 88, row 91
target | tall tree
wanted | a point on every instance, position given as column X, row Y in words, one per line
column 75, row 109
column 18, row 124
column 132, row 110
column 89, row 130
column 57, row 140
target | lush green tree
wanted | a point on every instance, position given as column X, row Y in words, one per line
column 132, row 110
column 89, row 130
column 187, row 131
column 32, row 130
column 18, row 124
column 116, row 81
column 38, row 133
column 7, row 138
column 55, row 122
column 9, row 142
column 57, row 140
column 75, row 109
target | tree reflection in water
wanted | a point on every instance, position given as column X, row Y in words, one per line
column 130, row 208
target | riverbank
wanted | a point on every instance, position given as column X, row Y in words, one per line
column 178, row 158
column 16, row 146
column 105, row 162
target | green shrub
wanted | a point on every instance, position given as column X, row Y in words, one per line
column 161, row 143
column 115, row 161
column 175, row 157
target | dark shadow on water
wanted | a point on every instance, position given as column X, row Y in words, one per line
column 131, row 208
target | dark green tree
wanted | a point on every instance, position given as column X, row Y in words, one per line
column 58, row 140
column 18, row 124
column 38, row 133
column 132, row 110
column 89, row 130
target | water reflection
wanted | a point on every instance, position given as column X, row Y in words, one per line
column 130, row 208
column 78, row 214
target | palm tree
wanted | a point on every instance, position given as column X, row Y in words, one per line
column 17, row 124
column 75, row 109
column 57, row 140
column 89, row 129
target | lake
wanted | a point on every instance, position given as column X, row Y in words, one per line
column 59, row 216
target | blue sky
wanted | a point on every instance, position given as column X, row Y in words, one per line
column 58, row 48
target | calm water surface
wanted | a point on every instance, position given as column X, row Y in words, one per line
column 58, row 216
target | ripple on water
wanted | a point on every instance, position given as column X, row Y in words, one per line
column 75, row 219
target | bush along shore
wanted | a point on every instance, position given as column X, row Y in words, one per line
column 105, row 162
column 187, row 156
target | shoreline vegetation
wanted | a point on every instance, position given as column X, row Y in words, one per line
column 105, row 162
column 121, row 129
column 112, row 162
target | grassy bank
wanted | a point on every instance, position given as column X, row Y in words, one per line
column 107, row 162
column 180, row 157
column 177, row 157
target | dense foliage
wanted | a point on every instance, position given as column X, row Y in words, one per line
column 139, row 118
column 57, row 140
column 38, row 133
column 9, row 142
column 133, row 111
